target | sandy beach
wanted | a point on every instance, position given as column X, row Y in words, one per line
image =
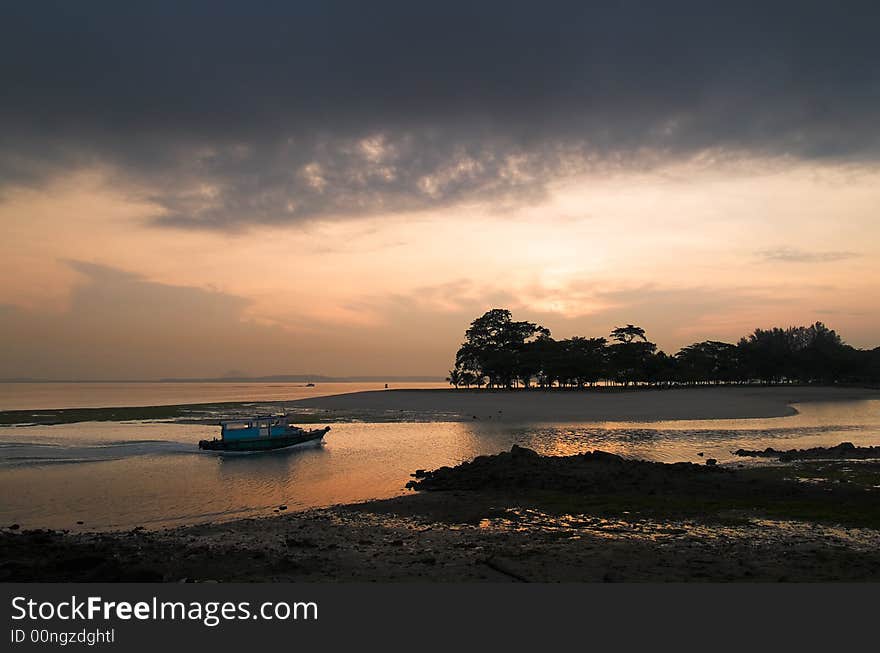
column 448, row 405
column 593, row 405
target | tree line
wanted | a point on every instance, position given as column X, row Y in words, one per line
column 500, row 352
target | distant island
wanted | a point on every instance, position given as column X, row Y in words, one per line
column 500, row 352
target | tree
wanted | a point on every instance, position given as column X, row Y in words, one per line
column 822, row 355
column 588, row 359
column 767, row 354
column 628, row 333
column 661, row 369
column 629, row 360
column 628, row 357
column 503, row 353
column 707, row 362
column 454, row 377
column 531, row 355
column 495, row 345
column 468, row 379
column 814, row 353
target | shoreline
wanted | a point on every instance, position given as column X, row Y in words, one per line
column 558, row 405
column 514, row 517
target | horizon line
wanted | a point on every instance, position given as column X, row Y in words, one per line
column 305, row 378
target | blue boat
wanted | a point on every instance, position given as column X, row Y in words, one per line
column 261, row 433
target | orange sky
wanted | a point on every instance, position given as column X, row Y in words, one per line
column 706, row 248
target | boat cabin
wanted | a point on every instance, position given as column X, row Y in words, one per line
column 253, row 428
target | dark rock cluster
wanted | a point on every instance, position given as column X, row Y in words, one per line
column 842, row 451
column 592, row 472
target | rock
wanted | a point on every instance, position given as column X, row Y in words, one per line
column 844, row 450
column 80, row 523
column 700, row 454
column 523, row 452
column 711, row 462
column 282, row 507
column 14, row 527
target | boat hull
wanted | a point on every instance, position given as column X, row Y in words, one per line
column 264, row 444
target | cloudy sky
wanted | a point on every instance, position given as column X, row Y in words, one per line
column 332, row 187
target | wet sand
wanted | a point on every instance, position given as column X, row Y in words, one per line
column 355, row 544
column 599, row 404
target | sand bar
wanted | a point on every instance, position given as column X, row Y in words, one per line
column 599, row 405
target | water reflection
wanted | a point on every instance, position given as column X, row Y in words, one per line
column 160, row 478
column 271, row 466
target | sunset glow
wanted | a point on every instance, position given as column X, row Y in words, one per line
column 142, row 248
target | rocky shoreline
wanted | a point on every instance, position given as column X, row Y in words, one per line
column 842, row 451
column 516, row 516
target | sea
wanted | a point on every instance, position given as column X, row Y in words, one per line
column 116, row 475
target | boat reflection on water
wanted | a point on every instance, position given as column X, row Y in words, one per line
column 273, row 467
column 258, row 482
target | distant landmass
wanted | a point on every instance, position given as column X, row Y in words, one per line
column 278, row 378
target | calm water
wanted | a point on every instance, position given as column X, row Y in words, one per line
column 119, row 475
column 23, row 396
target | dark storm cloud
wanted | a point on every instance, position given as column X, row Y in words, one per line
column 235, row 113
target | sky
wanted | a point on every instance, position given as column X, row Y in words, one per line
column 339, row 188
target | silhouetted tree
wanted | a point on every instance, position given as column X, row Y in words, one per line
column 707, row 362
column 767, row 354
column 661, row 369
column 454, row 377
column 588, row 359
column 628, row 355
column 494, row 346
column 532, row 357
column 628, row 333
column 629, row 360
column 505, row 353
